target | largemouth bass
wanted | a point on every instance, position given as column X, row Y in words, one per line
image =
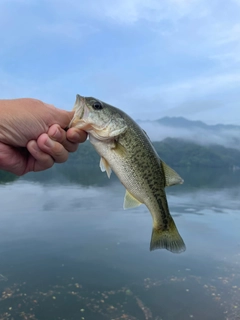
column 126, row 149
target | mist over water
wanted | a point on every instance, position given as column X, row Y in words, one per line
column 228, row 136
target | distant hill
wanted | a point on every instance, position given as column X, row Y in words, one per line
column 180, row 122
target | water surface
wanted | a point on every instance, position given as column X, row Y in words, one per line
column 69, row 251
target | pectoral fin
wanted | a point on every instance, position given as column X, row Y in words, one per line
column 171, row 175
column 104, row 166
column 119, row 149
column 130, row 201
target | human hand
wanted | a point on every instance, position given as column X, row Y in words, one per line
column 32, row 137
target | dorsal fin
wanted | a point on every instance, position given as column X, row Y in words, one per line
column 146, row 134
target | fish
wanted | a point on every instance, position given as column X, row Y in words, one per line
column 125, row 148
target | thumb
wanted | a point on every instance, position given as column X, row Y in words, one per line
column 62, row 117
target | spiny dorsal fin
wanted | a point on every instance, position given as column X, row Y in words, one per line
column 104, row 166
column 145, row 133
column 130, row 201
column 171, row 176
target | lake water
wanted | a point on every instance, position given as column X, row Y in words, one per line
column 69, row 251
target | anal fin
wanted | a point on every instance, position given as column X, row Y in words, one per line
column 130, row 201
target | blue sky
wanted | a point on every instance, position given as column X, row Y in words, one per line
column 150, row 58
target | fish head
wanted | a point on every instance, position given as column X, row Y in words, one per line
column 99, row 119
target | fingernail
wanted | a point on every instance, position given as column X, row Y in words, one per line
column 49, row 143
column 57, row 135
column 76, row 136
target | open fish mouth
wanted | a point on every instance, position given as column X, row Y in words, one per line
column 82, row 119
column 80, row 112
column 79, row 107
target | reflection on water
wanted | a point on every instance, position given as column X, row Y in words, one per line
column 91, row 175
column 69, row 251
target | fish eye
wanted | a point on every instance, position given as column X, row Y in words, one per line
column 97, row 105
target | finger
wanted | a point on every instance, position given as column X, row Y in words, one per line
column 76, row 135
column 52, row 148
column 57, row 134
column 13, row 159
column 39, row 160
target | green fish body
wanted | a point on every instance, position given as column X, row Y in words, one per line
column 126, row 149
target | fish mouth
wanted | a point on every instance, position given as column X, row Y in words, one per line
column 80, row 112
column 79, row 106
column 82, row 120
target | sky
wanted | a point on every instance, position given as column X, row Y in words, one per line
column 151, row 58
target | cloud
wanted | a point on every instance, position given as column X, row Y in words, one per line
column 151, row 58
column 178, row 92
column 226, row 137
column 68, row 30
column 230, row 35
column 237, row 2
column 193, row 107
column 132, row 11
column 226, row 59
column 29, row 20
column 12, row 87
column 127, row 11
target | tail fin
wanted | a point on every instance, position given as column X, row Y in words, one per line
column 167, row 239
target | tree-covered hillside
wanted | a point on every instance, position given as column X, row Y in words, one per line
column 182, row 153
column 175, row 152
